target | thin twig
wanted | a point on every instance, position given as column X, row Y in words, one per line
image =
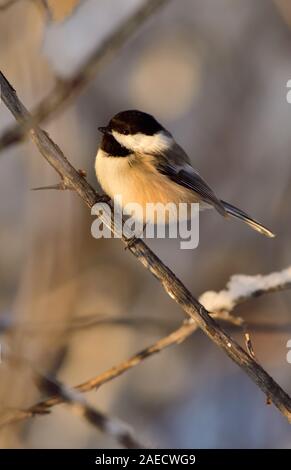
column 174, row 338
column 172, row 285
column 110, row 426
column 120, row 431
column 65, row 90
column 86, row 322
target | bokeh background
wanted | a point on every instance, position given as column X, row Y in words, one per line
column 215, row 73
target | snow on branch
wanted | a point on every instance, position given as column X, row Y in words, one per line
column 241, row 287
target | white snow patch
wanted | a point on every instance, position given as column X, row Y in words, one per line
column 241, row 286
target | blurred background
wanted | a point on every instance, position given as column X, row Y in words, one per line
column 214, row 72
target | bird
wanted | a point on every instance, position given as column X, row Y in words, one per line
column 141, row 161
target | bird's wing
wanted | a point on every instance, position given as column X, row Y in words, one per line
column 177, row 167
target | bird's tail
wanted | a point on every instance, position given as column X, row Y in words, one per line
column 239, row 214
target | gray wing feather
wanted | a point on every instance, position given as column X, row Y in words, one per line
column 177, row 167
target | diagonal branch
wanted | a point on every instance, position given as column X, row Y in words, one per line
column 113, row 427
column 120, row 431
column 110, row 426
column 7, row 4
column 65, row 90
column 176, row 337
column 43, row 407
column 172, row 285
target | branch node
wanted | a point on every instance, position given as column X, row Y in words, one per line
column 63, row 185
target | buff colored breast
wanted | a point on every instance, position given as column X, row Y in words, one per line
column 136, row 180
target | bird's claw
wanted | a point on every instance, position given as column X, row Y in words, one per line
column 130, row 242
column 104, row 198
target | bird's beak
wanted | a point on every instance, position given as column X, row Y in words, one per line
column 103, row 130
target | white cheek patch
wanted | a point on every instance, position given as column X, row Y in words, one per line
column 158, row 142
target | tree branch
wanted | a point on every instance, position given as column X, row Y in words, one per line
column 43, row 407
column 110, row 426
column 7, row 4
column 176, row 337
column 115, row 428
column 65, row 90
column 172, row 285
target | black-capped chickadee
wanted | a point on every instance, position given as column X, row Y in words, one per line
column 140, row 160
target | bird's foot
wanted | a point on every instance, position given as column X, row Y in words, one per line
column 130, row 242
column 104, row 198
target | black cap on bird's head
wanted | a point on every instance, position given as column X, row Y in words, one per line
column 133, row 132
column 133, row 122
